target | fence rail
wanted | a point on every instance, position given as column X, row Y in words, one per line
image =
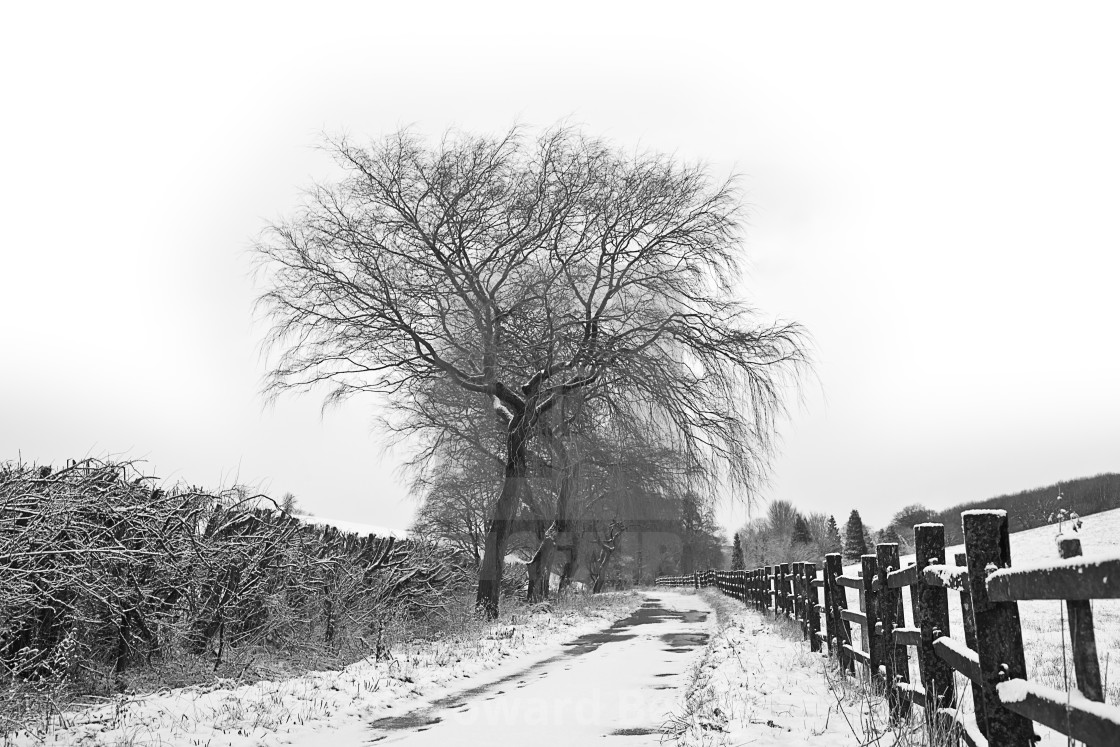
column 990, row 656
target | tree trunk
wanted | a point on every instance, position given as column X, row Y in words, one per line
column 501, row 520
column 598, row 575
column 558, row 536
column 598, row 570
column 540, row 568
column 568, row 571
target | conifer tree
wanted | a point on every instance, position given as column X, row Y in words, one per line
column 854, row 543
column 737, row 563
column 801, row 534
column 832, row 537
column 890, row 535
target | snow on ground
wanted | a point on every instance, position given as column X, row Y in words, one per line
column 759, row 684
column 317, row 706
column 617, row 686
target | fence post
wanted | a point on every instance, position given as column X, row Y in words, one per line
column 1082, row 638
column 871, row 610
column 837, row 600
column 829, row 620
column 811, row 605
column 770, row 588
column 775, row 573
column 969, row 620
column 780, row 585
column 931, row 618
column 999, row 637
column 891, row 614
column 796, row 591
column 803, row 609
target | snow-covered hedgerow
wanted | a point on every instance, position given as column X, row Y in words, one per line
column 106, row 574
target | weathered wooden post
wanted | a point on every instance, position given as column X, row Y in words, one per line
column 1082, row 638
column 838, row 602
column 826, row 606
column 999, row 637
column 871, row 614
column 891, row 615
column 931, row 604
column 811, row 607
column 969, row 620
column 783, row 580
column 795, row 590
column 775, row 572
column 803, row 602
column 770, row 599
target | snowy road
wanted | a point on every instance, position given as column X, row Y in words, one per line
column 622, row 682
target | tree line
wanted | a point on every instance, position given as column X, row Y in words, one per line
column 784, row 535
column 552, row 324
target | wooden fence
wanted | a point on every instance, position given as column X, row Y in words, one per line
column 990, row 655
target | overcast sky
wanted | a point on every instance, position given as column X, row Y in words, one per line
column 933, row 193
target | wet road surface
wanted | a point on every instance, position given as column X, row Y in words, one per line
column 621, row 683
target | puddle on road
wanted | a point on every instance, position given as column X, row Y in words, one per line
column 638, row 731
column 408, row 721
column 686, row 639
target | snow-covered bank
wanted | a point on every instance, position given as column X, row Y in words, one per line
column 302, row 710
column 758, row 684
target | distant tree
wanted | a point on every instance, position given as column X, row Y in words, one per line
column 908, row 516
column 737, row 554
column 781, row 516
column 855, row 542
column 290, row 505
column 700, row 543
column 801, row 534
column 818, row 526
column 889, row 534
column 831, row 541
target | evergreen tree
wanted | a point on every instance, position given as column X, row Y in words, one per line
column 854, row 543
column 737, row 563
column 890, row 534
column 801, row 534
column 832, row 537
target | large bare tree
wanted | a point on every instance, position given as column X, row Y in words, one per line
column 528, row 270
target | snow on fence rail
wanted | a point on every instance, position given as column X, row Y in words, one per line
column 990, row 656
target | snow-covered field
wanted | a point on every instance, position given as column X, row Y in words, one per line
column 334, row 705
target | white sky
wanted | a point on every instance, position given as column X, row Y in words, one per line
column 934, row 195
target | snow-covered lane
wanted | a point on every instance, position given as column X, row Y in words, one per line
column 623, row 683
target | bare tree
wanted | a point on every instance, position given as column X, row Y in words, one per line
column 528, row 272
